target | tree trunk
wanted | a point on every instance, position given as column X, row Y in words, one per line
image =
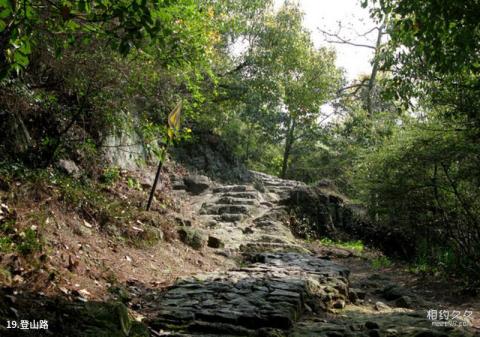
column 288, row 146
column 373, row 75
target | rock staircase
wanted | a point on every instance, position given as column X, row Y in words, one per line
column 243, row 217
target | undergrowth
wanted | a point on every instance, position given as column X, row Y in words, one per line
column 381, row 262
column 353, row 245
column 113, row 202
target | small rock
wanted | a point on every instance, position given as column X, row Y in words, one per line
column 381, row 306
column 215, row 242
column 69, row 167
column 196, row 184
column 248, row 230
column 355, row 295
column 183, row 221
column 340, row 304
column 391, row 332
column 18, row 279
column 192, row 237
column 393, row 292
column 64, row 290
column 371, row 325
column 404, row 302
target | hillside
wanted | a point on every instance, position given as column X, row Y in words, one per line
column 208, row 259
column 223, row 168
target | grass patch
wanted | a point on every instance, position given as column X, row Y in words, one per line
column 381, row 262
column 357, row 245
column 15, row 238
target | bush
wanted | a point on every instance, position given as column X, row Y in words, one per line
column 425, row 183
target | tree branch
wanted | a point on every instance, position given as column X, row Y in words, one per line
column 341, row 40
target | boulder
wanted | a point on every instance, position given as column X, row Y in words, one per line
column 324, row 213
column 69, row 167
column 196, row 184
column 192, row 237
column 370, row 325
column 215, row 242
column 393, row 292
column 404, row 302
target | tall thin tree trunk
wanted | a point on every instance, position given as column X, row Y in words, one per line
column 288, row 146
column 373, row 75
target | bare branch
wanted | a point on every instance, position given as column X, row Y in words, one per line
column 341, row 40
column 367, row 32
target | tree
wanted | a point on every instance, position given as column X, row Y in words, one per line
column 422, row 178
column 370, row 81
column 433, row 52
column 289, row 78
column 176, row 29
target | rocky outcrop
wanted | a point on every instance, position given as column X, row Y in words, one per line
column 196, row 184
column 268, row 295
column 317, row 212
column 360, row 324
column 211, row 156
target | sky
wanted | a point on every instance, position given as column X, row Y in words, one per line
column 326, row 15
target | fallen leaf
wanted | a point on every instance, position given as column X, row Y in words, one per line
column 64, row 290
column 84, row 292
column 18, row 279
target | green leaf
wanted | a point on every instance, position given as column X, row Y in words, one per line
column 5, row 13
column 20, row 59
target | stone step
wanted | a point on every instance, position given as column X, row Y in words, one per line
column 243, row 195
column 272, row 247
column 229, row 217
column 279, row 188
column 218, row 209
column 232, row 188
column 281, row 191
column 237, row 201
column 279, row 183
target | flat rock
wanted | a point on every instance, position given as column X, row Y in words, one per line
column 270, row 293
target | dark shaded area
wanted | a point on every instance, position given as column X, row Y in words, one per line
column 66, row 318
column 208, row 154
column 318, row 212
